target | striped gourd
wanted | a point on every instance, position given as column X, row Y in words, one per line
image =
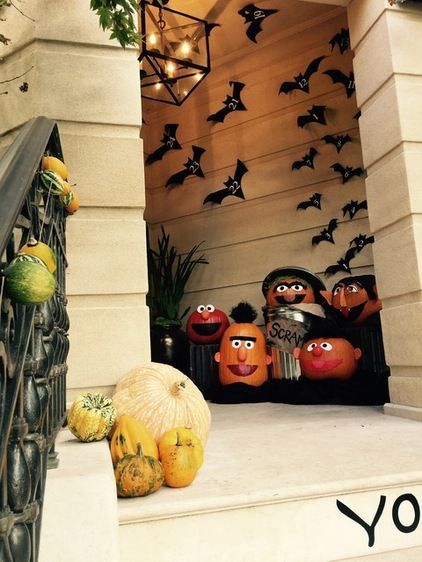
column 91, row 416
column 28, row 281
column 52, row 182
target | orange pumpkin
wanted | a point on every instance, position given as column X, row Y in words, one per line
column 327, row 358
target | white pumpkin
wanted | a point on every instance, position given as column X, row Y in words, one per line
column 162, row 397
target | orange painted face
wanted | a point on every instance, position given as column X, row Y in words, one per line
column 327, row 358
column 242, row 356
column 289, row 290
column 351, row 300
column 206, row 324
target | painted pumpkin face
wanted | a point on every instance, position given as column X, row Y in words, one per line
column 243, row 356
column 327, row 358
column 355, row 299
column 206, row 324
column 289, row 290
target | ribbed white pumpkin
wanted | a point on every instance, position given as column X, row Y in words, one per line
column 161, row 397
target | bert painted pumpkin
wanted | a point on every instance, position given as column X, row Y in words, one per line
column 91, row 416
column 138, row 475
column 161, row 398
column 327, row 358
column 242, row 356
column 206, row 324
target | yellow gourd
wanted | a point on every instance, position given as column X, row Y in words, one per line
column 91, row 416
column 42, row 251
column 179, row 463
column 138, row 475
column 127, row 434
column 53, row 163
column 186, row 437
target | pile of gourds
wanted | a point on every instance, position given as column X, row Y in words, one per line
column 167, row 449
column 54, row 176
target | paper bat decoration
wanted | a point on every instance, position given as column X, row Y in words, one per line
column 159, row 3
column 343, row 264
column 326, row 234
column 346, row 172
column 307, row 160
column 192, row 168
column 254, row 16
column 301, row 81
column 233, row 186
column 338, row 77
column 316, row 115
column 169, row 143
column 353, row 207
column 232, row 103
column 360, row 241
column 337, row 140
column 342, row 39
column 357, row 115
column 313, row 201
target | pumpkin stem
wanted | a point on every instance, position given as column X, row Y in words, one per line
column 32, row 241
column 178, row 441
column 177, row 387
column 139, row 449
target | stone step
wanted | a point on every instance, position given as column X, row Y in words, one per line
column 286, row 483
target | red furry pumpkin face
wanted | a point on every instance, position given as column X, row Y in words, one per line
column 206, row 324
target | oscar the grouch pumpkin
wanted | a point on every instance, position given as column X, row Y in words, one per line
column 242, row 356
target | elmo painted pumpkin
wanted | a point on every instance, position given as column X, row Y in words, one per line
column 243, row 357
column 327, row 358
column 206, row 324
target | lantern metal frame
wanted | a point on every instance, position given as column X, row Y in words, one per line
column 157, row 60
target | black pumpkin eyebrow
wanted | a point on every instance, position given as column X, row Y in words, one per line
column 243, row 338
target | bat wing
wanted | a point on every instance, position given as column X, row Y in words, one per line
column 362, row 205
column 330, row 139
column 305, row 205
column 311, row 155
column 287, row 87
column 156, row 155
column 336, row 40
column 241, row 170
column 317, row 239
column 332, row 225
column 356, row 172
column 178, row 178
column 303, row 120
column 350, row 254
column 298, row 164
column 333, row 269
column 198, row 151
column 253, row 30
column 220, row 115
column 337, row 167
column 221, row 194
column 349, row 209
column 313, row 67
column 337, row 76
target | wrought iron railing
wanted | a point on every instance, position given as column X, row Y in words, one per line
column 33, row 344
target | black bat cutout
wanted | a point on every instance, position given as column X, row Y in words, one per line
column 232, row 103
column 357, row 115
column 316, row 115
column 360, row 241
column 301, row 81
column 343, row 264
column 169, row 141
column 342, row 39
column 254, row 16
column 313, row 201
column 346, row 172
column 354, row 207
column 337, row 140
column 307, row 160
column 159, row 3
column 233, row 186
column 192, row 168
column 326, row 234
column 338, row 77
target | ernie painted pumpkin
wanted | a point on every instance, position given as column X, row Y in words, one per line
column 327, row 358
column 242, row 356
column 206, row 324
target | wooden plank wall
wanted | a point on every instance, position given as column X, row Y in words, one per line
column 246, row 239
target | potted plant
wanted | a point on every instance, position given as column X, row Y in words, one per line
column 168, row 274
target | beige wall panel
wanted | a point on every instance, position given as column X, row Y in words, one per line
column 405, row 37
column 409, row 94
column 402, row 247
column 362, row 15
column 106, row 342
column 406, row 391
column 393, row 187
column 403, row 351
column 107, row 171
column 106, row 256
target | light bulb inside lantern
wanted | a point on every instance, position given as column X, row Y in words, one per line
column 185, row 48
column 170, row 69
column 152, row 40
column 158, row 86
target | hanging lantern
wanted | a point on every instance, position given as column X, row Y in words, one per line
column 174, row 56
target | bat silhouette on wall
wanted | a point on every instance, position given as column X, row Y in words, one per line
column 341, row 39
column 315, row 115
column 233, row 186
column 254, row 16
column 326, row 234
column 169, row 142
column 307, row 160
column 337, row 140
column 353, row 207
column 360, row 241
column 342, row 265
column 338, row 77
column 313, row 201
column 301, row 81
column 192, row 168
column 357, row 115
column 346, row 172
column 231, row 103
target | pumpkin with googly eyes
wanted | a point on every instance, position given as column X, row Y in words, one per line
column 206, row 325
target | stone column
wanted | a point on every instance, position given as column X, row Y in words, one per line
column 90, row 86
column 388, row 69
